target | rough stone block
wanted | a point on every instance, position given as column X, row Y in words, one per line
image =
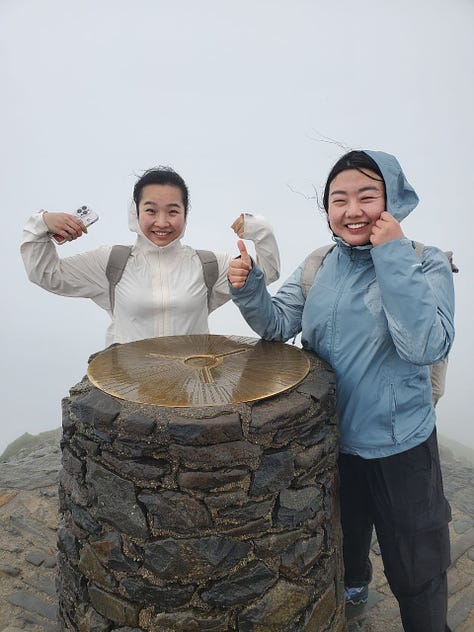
column 109, row 550
column 96, row 409
column 71, row 463
column 301, row 556
column 221, row 429
column 212, row 479
column 113, row 607
column 278, row 610
column 246, row 584
column 275, row 472
column 247, row 512
column 83, row 519
column 143, row 470
column 274, row 544
column 235, row 452
column 139, row 425
column 321, row 388
column 188, row 621
column 90, row 566
column 199, row 557
column 256, row 527
column 67, row 542
column 71, row 490
column 302, row 431
column 225, row 499
column 71, row 584
column 269, row 416
column 115, row 500
column 92, row 621
column 297, row 506
column 322, row 612
column 165, row 597
column 176, row 512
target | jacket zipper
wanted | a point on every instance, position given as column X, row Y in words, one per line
column 336, row 303
column 393, row 410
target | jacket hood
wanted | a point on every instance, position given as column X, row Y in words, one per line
column 401, row 196
column 134, row 227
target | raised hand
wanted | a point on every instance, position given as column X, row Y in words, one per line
column 239, row 268
column 68, row 226
column 238, row 225
column 386, row 228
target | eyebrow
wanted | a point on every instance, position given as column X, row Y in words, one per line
column 361, row 190
column 171, row 204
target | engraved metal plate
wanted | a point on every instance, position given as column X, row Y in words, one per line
column 197, row 370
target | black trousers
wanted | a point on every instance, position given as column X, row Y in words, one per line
column 402, row 497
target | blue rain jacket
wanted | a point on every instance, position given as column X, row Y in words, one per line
column 379, row 316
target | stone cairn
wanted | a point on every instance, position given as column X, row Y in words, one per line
column 201, row 519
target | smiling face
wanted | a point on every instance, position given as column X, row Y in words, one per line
column 356, row 200
column 161, row 214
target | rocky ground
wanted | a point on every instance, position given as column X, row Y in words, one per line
column 28, row 518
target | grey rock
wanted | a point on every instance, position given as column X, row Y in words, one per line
column 169, row 597
column 113, row 607
column 42, row 583
column 26, row 600
column 249, row 582
column 223, row 429
column 115, row 500
column 171, row 558
column 35, row 557
column 96, row 409
column 12, row 571
column 269, row 416
column 176, row 512
column 139, row 425
column 296, row 506
column 275, row 472
column 211, row 480
column 461, row 526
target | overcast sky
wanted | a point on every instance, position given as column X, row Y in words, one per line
column 237, row 96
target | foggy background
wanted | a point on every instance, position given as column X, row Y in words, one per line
column 240, row 98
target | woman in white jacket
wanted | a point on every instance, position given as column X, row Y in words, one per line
column 162, row 291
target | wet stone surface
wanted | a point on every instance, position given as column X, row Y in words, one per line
column 276, row 562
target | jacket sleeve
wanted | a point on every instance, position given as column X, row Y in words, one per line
column 258, row 230
column 82, row 275
column 273, row 318
column 417, row 298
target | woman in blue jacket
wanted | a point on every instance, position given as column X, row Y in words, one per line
column 380, row 317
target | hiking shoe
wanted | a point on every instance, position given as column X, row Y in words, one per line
column 356, row 596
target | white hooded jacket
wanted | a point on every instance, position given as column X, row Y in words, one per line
column 162, row 290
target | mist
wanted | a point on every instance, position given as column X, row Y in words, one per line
column 252, row 103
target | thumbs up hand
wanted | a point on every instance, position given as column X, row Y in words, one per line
column 239, row 268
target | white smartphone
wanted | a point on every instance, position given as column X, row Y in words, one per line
column 85, row 214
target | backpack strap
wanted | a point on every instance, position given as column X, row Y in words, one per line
column 115, row 266
column 210, row 270
column 311, row 265
column 449, row 255
column 118, row 260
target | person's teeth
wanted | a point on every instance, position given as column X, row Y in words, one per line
column 354, row 226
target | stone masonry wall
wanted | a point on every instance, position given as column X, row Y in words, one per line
column 208, row 519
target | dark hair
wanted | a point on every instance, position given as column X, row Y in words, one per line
column 353, row 160
column 161, row 175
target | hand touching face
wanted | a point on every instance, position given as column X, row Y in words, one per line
column 386, row 228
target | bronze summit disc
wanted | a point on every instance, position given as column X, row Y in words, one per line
column 197, row 370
